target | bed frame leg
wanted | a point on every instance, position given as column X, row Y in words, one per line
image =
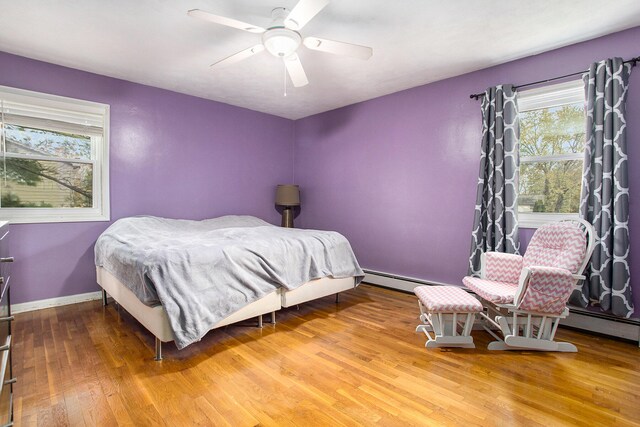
column 260, row 321
column 104, row 298
column 158, row 349
column 338, row 297
column 273, row 317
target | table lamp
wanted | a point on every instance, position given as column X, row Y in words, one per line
column 287, row 196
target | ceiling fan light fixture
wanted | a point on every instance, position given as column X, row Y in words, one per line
column 281, row 42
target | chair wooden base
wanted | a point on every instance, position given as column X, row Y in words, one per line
column 517, row 343
column 524, row 330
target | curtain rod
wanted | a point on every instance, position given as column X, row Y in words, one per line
column 632, row 61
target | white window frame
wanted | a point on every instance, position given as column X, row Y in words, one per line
column 547, row 97
column 100, row 161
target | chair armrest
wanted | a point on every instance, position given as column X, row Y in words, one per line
column 544, row 289
column 501, row 267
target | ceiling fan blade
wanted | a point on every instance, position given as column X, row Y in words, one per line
column 303, row 12
column 237, row 57
column 338, row 48
column 295, row 70
column 201, row 14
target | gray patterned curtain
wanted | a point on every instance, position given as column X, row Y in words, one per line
column 605, row 189
column 495, row 225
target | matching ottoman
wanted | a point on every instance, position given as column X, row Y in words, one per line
column 448, row 312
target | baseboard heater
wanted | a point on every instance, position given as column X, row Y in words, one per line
column 580, row 318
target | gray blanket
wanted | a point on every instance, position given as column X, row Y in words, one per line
column 203, row 271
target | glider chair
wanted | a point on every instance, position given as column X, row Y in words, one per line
column 525, row 296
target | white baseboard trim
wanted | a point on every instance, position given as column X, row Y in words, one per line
column 54, row 302
column 394, row 281
column 619, row 328
column 580, row 319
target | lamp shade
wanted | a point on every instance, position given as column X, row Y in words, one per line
column 287, row 195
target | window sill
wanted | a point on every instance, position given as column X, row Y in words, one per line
column 540, row 219
column 19, row 216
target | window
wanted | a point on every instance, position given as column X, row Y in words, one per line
column 552, row 138
column 54, row 165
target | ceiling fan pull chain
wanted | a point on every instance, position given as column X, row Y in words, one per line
column 285, row 77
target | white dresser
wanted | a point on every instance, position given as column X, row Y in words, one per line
column 6, row 371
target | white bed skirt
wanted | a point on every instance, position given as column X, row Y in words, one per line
column 156, row 321
column 316, row 289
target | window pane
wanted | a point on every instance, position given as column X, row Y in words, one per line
column 552, row 131
column 39, row 142
column 551, row 187
column 46, row 184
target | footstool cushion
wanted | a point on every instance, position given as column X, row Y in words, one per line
column 447, row 299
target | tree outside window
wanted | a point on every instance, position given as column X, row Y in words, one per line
column 552, row 138
column 56, row 182
column 54, row 158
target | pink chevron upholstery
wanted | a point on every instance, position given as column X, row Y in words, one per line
column 548, row 290
column 501, row 267
column 447, row 299
column 560, row 244
column 555, row 252
column 492, row 291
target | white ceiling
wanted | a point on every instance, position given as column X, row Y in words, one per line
column 415, row 42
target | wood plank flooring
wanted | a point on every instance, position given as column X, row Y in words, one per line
column 358, row 362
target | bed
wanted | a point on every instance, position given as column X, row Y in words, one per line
column 181, row 279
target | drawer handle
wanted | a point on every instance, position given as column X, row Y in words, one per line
column 7, row 319
column 7, row 259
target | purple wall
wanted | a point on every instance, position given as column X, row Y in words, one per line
column 397, row 175
column 171, row 155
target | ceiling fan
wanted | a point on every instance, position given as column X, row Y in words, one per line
column 282, row 38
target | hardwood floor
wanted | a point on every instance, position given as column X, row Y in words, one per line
column 353, row 363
